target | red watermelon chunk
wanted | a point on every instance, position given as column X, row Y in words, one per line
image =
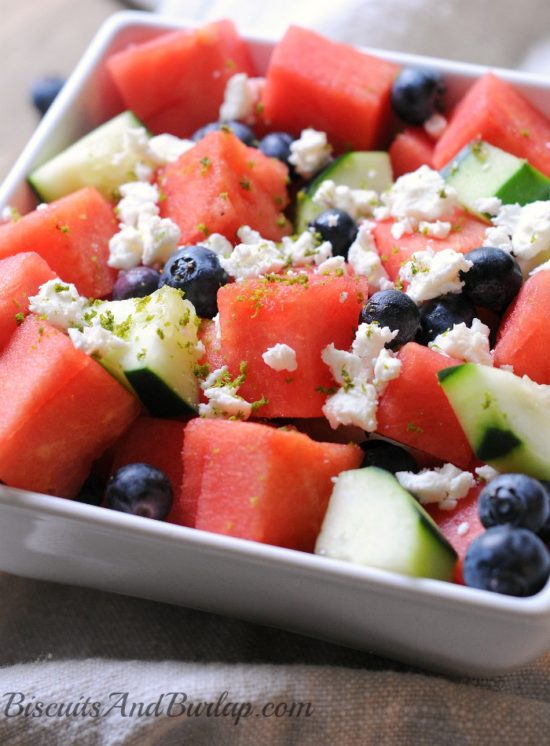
column 411, row 149
column 72, row 235
column 260, row 313
column 494, row 111
column 20, row 276
column 335, row 88
column 414, row 410
column 276, row 491
column 157, row 442
column 59, row 411
column 524, row 334
column 175, row 83
column 220, row 185
column 467, row 233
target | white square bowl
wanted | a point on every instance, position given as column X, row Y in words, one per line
column 425, row 622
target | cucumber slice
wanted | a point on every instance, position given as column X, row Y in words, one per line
column 358, row 170
column 482, row 170
column 372, row 520
column 158, row 361
column 504, row 417
column 101, row 159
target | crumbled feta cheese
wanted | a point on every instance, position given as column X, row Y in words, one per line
column 362, row 375
column 486, row 472
column 430, row 274
column 218, row 244
column 95, row 340
column 223, row 400
column 356, row 202
column 59, row 303
column 363, row 257
column 435, row 126
column 522, row 231
column 403, row 226
column 241, row 96
column 160, row 238
column 468, row 343
column 138, row 198
column 310, row 152
column 444, row 485
column 335, row 265
column 280, row 357
column 217, row 327
column 463, row 528
column 125, row 248
column 303, row 250
column 166, row 148
column 488, row 205
column 253, row 257
column 438, row 229
column 422, row 194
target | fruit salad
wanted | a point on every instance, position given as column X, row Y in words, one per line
column 304, row 309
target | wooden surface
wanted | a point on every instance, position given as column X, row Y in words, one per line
column 39, row 37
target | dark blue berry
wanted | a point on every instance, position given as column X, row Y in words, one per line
column 515, row 500
column 140, row 489
column 277, row 145
column 240, row 130
column 396, row 310
column 544, row 531
column 197, row 271
column 387, row 456
column 136, row 283
column 493, row 280
column 336, row 226
column 440, row 314
column 507, row 560
column 417, row 93
column 44, row 90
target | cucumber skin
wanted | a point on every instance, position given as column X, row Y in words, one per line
column 156, row 396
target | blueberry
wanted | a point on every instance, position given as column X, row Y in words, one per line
column 515, row 500
column 544, row 531
column 336, row 226
column 240, row 130
column 387, row 456
column 440, row 314
column 396, row 310
column 417, row 93
column 494, row 279
column 197, row 271
column 507, row 560
column 277, row 145
column 44, row 90
column 136, row 283
column 140, row 489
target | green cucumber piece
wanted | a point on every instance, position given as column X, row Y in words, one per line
column 158, row 362
column 372, row 520
column 99, row 159
column 504, row 417
column 357, row 170
column 482, row 170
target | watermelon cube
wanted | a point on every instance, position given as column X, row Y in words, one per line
column 307, row 316
column 72, row 235
column 220, row 185
column 411, row 149
column 276, row 491
column 59, row 411
column 175, row 83
column 314, row 82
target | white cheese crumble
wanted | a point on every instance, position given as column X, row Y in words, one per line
column 365, row 260
column 521, row 231
column 280, row 357
column 358, row 203
column 59, row 302
column 166, row 148
column 95, row 340
column 444, row 485
column 430, row 273
column 362, row 375
column 152, row 241
column 486, row 473
column 223, row 400
column 488, row 205
column 240, row 98
column 463, row 528
column 435, row 126
column 438, row 229
column 138, row 198
column 468, row 343
column 310, row 152
column 334, row 265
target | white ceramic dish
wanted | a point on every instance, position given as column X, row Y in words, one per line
column 429, row 623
